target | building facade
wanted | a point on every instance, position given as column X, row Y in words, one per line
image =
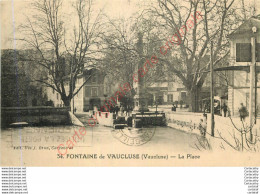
column 167, row 92
column 89, row 96
column 241, row 55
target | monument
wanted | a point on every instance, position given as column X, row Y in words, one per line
column 141, row 116
column 140, row 100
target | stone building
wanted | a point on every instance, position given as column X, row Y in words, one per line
column 90, row 95
column 167, row 92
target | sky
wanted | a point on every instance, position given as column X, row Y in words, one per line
column 14, row 12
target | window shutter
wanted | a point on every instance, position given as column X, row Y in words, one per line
column 243, row 52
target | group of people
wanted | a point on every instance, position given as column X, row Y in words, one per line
column 217, row 109
column 243, row 112
column 117, row 110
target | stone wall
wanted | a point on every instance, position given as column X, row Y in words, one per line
column 35, row 115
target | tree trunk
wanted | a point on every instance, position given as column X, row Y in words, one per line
column 66, row 101
column 191, row 100
column 198, row 99
column 194, row 98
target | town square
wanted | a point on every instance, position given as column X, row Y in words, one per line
column 130, row 83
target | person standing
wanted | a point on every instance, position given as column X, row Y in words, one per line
column 243, row 113
column 122, row 110
column 173, row 107
column 202, row 128
column 116, row 110
column 225, row 108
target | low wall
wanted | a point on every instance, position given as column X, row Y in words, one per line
column 185, row 121
column 167, row 108
column 151, row 118
column 226, row 127
column 35, row 115
column 148, row 118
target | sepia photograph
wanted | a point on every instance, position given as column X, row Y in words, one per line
column 130, row 83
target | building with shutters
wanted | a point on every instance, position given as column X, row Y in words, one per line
column 90, row 95
column 241, row 52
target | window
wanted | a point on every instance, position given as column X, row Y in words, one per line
column 160, row 100
column 257, row 52
column 243, row 52
column 170, row 98
column 94, row 78
column 183, row 96
column 57, row 96
column 87, row 91
column 94, row 92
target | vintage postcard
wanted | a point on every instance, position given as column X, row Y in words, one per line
column 130, row 83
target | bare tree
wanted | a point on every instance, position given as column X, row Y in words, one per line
column 194, row 24
column 121, row 54
column 242, row 142
column 63, row 52
column 248, row 9
column 237, row 139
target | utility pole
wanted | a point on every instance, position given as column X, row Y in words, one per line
column 256, row 80
column 252, row 98
column 256, row 73
column 212, row 90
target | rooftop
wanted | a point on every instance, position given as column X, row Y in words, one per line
column 246, row 27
